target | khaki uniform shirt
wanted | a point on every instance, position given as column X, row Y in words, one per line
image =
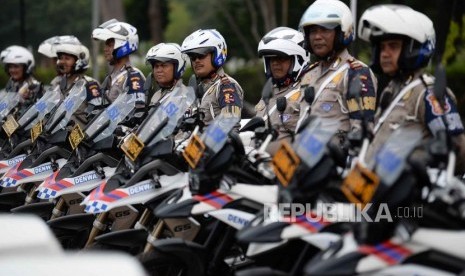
column 222, row 94
column 286, row 121
column 334, row 101
column 126, row 77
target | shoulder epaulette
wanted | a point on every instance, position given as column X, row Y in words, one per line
column 88, row 79
column 225, row 79
column 429, row 80
column 355, row 64
column 313, row 65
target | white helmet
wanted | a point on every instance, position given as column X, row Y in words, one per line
column 398, row 21
column 46, row 48
column 288, row 42
column 77, row 50
column 330, row 14
column 20, row 55
column 168, row 52
column 124, row 34
column 8, row 49
column 206, row 41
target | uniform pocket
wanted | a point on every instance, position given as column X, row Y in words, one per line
column 328, row 101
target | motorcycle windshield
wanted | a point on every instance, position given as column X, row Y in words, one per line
column 2, row 94
column 8, row 102
column 41, row 108
column 75, row 98
column 217, row 133
column 173, row 108
column 391, row 158
column 310, row 145
column 111, row 116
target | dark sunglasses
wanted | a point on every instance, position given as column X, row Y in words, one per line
column 193, row 57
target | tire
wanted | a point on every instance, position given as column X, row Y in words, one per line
column 160, row 264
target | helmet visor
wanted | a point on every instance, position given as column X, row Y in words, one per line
column 200, row 51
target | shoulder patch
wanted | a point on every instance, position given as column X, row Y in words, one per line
column 434, row 113
column 135, row 82
column 228, row 95
column 434, row 105
column 93, row 89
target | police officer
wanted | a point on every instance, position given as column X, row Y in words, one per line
column 73, row 61
column 403, row 42
column 121, row 40
column 285, row 62
column 328, row 29
column 207, row 52
column 47, row 48
column 19, row 64
column 3, row 54
column 168, row 65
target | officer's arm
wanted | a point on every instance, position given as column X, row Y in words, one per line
column 362, row 108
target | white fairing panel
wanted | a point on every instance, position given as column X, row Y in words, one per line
column 26, row 235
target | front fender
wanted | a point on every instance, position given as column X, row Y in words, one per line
column 73, row 230
column 128, row 239
column 75, row 222
column 41, row 209
column 11, row 200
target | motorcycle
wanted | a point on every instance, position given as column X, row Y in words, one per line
column 11, row 143
column 16, row 175
column 399, row 177
column 92, row 156
column 312, row 211
column 308, row 176
column 147, row 175
column 209, row 211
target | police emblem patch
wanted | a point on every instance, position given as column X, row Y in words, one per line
column 285, row 117
column 326, row 106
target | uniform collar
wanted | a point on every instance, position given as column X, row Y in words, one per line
column 122, row 68
column 285, row 89
column 218, row 74
column 342, row 57
column 169, row 89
